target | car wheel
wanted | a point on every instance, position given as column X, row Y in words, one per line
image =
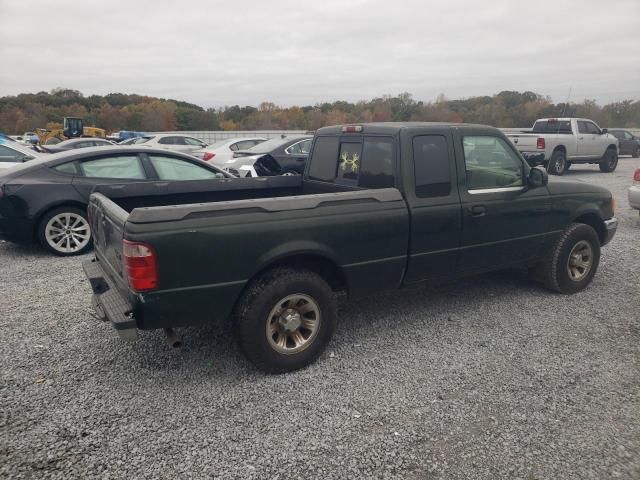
column 609, row 161
column 636, row 152
column 558, row 163
column 573, row 260
column 285, row 319
column 65, row 231
column 568, row 166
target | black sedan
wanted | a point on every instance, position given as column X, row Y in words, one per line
column 75, row 143
column 45, row 199
column 629, row 143
column 274, row 157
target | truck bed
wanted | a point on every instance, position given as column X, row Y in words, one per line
column 253, row 221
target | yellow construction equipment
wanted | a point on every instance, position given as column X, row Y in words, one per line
column 72, row 127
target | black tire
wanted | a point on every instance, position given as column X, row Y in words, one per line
column 266, row 294
column 74, row 213
column 558, row 163
column 636, row 153
column 554, row 270
column 609, row 161
column 568, row 166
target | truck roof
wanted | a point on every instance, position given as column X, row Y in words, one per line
column 395, row 127
column 563, row 119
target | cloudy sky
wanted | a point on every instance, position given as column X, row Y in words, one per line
column 216, row 53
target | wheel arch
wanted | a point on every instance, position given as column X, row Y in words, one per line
column 560, row 148
column 594, row 221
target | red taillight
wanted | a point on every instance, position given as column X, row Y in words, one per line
column 636, row 175
column 140, row 263
column 352, row 129
column 208, row 156
column 540, row 144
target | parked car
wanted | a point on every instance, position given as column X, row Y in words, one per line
column 284, row 155
column 629, row 144
column 172, row 141
column 75, row 143
column 221, row 152
column 558, row 143
column 380, row 206
column 634, row 191
column 13, row 154
column 45, row 200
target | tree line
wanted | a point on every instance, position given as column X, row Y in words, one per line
column 118, row 111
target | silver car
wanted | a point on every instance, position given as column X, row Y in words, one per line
column 171, row 141
column 12, row 154
column 634, row 191
column 221, row 152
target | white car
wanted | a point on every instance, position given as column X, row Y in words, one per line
column 12, row 154
column 220, row 152
column 634, row 191
column 171, row 141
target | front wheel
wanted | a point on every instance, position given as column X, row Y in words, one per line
column 572, row 262
column 609, row 161
column 636, row 153
column 285, row 319
column 557, row 163
column 65, row 231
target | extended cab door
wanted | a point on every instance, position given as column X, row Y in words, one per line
column 430, row 185
column 503, row 221
column 591, row 144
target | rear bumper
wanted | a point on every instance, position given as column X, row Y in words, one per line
column 611, row 226
column 533, row 158
column 109, row 303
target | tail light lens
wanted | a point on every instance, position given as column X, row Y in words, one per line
column 540, row 145
column 140, row 262
column 636, row 175
column 208, row 156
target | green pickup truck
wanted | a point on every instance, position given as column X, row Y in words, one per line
column 380, row 206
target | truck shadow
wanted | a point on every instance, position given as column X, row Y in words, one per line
column 362, row 322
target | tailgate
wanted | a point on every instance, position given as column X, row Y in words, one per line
column 524, row 142
column 107, row 220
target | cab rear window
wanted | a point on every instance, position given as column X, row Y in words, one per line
column 365, row 162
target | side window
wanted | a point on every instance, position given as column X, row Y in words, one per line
column 305, row 146
column 294, row 149
column 123, row 166
column 235, row 147
column 67, row 168
column 628, row 136
column 83, row 144
column 9, row 155
column 244, row 145
column 323, row 159
column 377, row 163
column 171, row 168
column 592, row 128
column 490, row 163
column 349, row 163
column 582, row 127
column 192, row 141
column 431, row 166
column 167, row 141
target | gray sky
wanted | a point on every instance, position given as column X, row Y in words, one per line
column 216, row 53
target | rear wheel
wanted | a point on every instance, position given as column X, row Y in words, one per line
column 609, row 161
column 636, row 152
column 573, row 260
column 558, row 163
column 65, row 231
column 285, row 319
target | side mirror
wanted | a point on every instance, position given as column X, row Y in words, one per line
column 538, row 177
column 26, row 158
column 604, row 131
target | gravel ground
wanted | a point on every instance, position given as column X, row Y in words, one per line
column 492, row 377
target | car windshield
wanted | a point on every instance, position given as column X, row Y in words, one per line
column 270, row 145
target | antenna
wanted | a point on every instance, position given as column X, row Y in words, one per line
column 564, row 108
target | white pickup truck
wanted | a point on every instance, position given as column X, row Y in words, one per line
column 557, row 143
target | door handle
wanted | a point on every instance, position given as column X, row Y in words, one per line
column 477, row 211
column 580, row 138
